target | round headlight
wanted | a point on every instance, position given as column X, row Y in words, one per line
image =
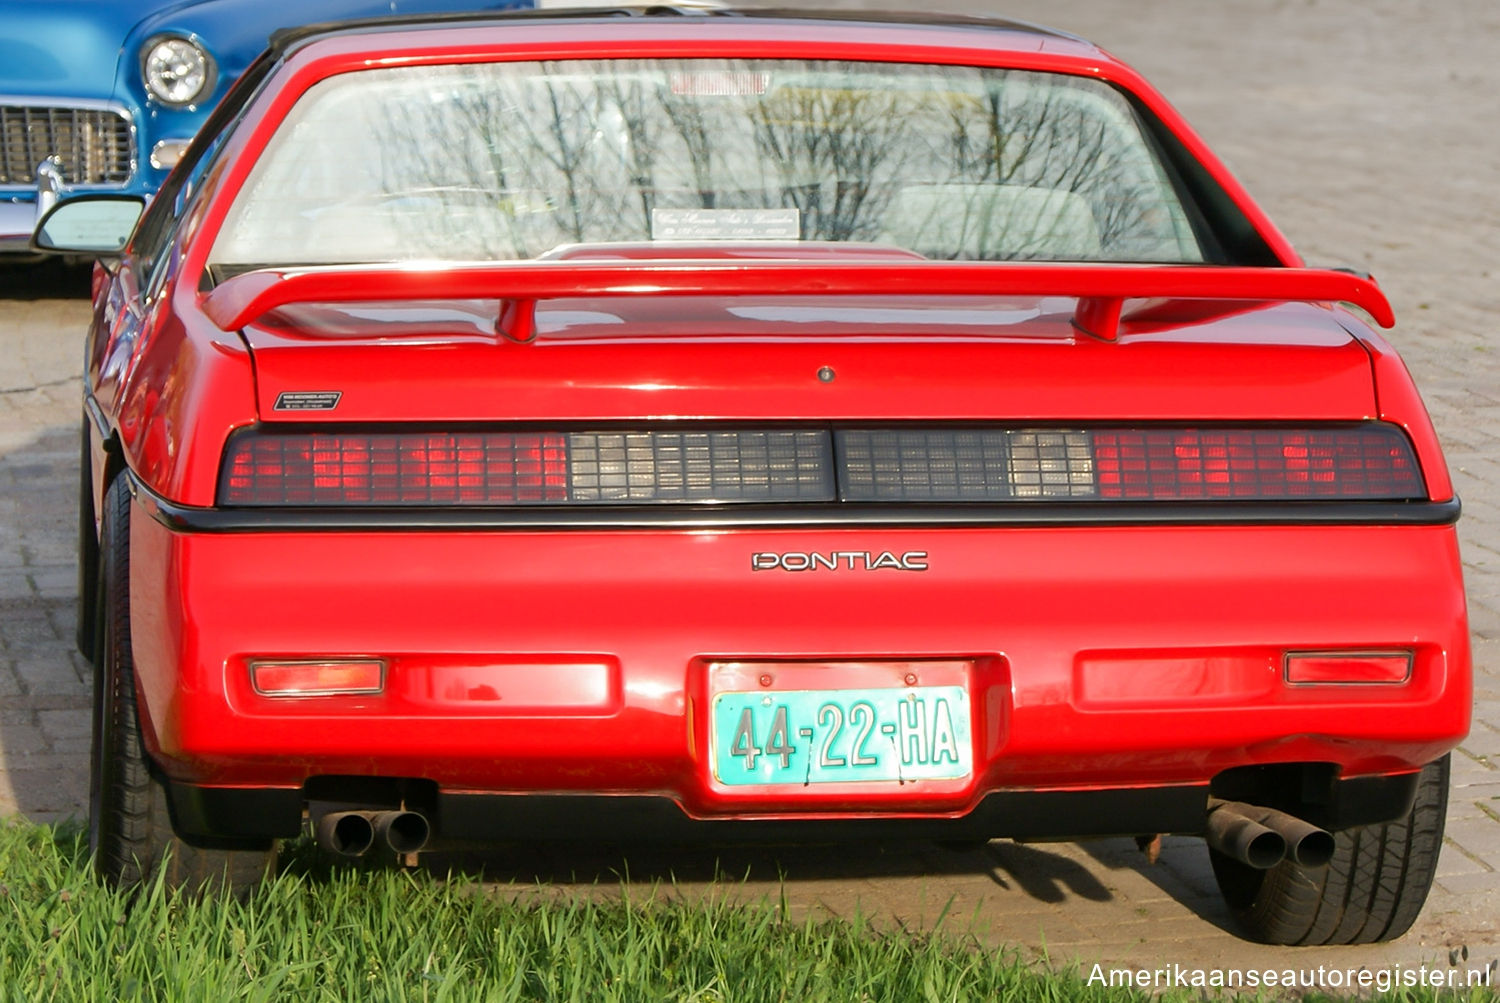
column 177, row 71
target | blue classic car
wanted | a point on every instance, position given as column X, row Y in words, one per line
column 104, row 95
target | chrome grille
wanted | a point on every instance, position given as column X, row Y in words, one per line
column 94, row 144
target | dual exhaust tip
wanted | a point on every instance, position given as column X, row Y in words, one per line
column 1264, row 837
column 355, row 833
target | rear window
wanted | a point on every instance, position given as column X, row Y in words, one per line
column 513, row 160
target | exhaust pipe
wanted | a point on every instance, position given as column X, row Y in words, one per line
column 1306, row 844
column 401, row 832
column 1233, row 832
column 1242, row 830
column 347, row 833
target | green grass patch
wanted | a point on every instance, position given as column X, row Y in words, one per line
column 338, row 934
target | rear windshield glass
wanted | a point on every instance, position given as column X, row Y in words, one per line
column 512, row 160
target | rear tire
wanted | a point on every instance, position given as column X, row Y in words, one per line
column 130, row 824
column 1371, row 891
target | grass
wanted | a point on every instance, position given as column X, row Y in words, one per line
column 319, row 933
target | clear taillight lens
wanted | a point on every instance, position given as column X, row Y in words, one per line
column 906, row 465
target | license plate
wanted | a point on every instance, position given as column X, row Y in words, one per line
column 804, row 737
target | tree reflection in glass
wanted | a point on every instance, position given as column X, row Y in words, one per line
column 510, row 160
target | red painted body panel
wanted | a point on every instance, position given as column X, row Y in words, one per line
column 1400, row 403
column 1015, row 367
column 1102, row 656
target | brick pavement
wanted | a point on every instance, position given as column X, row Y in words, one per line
column 1362, row 126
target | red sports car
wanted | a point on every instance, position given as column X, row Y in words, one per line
column 744, row 425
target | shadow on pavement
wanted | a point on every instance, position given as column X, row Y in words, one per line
column 1041, row 874
column 1182, row 873
column 50, row 278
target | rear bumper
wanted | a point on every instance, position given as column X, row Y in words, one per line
column 579, row 664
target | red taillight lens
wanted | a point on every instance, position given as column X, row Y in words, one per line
column 1348, row 667
column 1269, row 464
column 481, row 468
column 302, row 679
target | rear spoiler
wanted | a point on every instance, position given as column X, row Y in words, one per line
column 1101, row 289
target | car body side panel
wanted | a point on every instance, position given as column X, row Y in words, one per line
column 172, row 387
column 1399, row 402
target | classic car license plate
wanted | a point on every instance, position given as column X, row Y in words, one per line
column 803, row 737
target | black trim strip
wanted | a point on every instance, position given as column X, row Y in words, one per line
column 276, row 812
column 266, row 813
column 96, row 415
column 187, row 518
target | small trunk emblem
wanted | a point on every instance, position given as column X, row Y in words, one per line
column 307, row 400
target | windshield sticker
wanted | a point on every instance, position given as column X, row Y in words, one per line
column 726, row 224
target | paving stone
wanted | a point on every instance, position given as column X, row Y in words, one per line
column 55, row 582
column 1456, row 860
column 1467, row 798
column 58, row 701
column 68, row 723
column 21, row 740
column 53, row 791
column 56, row 676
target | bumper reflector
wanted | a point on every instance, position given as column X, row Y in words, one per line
column 1348, row 667
column 307, row 679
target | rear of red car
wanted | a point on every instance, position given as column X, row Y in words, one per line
column 980, row 597
column 727, row 519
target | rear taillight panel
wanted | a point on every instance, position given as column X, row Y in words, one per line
column 898, row 465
